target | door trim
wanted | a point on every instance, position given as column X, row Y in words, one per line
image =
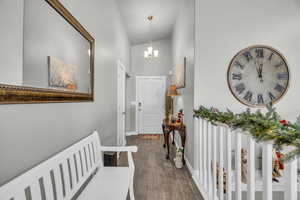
column 120, row 66
column 137, row 78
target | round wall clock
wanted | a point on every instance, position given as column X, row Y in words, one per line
column 258, row 75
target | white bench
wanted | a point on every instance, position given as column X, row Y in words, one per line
column 75, row 173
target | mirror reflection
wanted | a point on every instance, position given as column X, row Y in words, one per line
column 39, row 48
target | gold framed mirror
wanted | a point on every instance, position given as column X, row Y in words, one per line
column 58, row 57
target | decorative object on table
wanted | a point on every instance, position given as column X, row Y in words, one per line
column 180, row 74
column 169, row 127
column 258, row 75
column 244, row 165
column 178, row 158
column 268, row 126
column 110, row 159
column 172, row 92
column 61, row 74
column 180, row 116
column 173, row 119
column 151, row 52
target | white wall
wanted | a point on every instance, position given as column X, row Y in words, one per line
column 143, row 67
column 183, row 46
column 224, row 28
column 30, row 134
column 11, row 41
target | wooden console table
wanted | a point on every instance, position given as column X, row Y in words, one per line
column 169, row 127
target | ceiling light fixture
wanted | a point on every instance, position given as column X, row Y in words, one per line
column 150, row 52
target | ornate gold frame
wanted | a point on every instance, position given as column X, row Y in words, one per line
column 10, row 94
column 251, row 47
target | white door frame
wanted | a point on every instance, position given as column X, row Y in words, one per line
column 121, row 104
column 164, row 78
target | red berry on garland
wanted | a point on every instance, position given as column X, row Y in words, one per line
column 279, row 156
column 283, row 123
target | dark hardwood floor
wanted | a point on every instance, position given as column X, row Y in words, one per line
column 157, row 178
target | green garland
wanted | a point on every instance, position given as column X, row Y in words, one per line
column 262, row 126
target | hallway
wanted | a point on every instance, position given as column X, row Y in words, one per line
column 157, row 178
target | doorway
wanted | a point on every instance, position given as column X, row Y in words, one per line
column 121, row 103
column 150, row 99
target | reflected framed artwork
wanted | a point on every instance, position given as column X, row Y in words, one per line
column 180, row 74
column 61, row 74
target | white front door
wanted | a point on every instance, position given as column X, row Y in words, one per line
column 121, row 104
column 150, row 99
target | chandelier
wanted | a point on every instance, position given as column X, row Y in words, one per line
column 150, row 52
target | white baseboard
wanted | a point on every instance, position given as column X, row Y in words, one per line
column 130, row 133
column 201, row 188
column 189, row 166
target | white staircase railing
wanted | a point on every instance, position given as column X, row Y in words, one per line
column 218, row 159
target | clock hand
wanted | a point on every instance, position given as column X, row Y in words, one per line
column 257, row 68
column 260, row 72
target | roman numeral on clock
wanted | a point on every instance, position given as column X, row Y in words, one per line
column 279, row 88
column 237, row 77
column 271, row 96
column 260, row 99
column 240, row 88
column 237, row 63
column 279, row 64
column 259, row 52
column 248, row 55
column 248, row 96
column 271, row 56
column 283, row 76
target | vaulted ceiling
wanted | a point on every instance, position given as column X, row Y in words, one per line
column 135, row 13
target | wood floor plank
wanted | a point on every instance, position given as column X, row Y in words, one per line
column 157, row 178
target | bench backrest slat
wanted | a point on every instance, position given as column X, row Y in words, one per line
column 48, row 187
column 59, row 177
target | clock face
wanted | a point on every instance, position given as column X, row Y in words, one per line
column 258, row 75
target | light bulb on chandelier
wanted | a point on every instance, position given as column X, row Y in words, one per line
column 150, row 53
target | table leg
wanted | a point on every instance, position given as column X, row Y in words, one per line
column 183, row 138
column 173, row 137
column 163, row 129
column 167, row 134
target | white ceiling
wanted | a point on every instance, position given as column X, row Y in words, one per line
column 135, row 13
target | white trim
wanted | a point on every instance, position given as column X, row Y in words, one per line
column 121, row 67
column 201, row 189
column 137, row 78
column 189, row 166
column 196, row 181
column 120, row 64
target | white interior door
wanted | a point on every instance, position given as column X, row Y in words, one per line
column 121, row 104
column 150, row 99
